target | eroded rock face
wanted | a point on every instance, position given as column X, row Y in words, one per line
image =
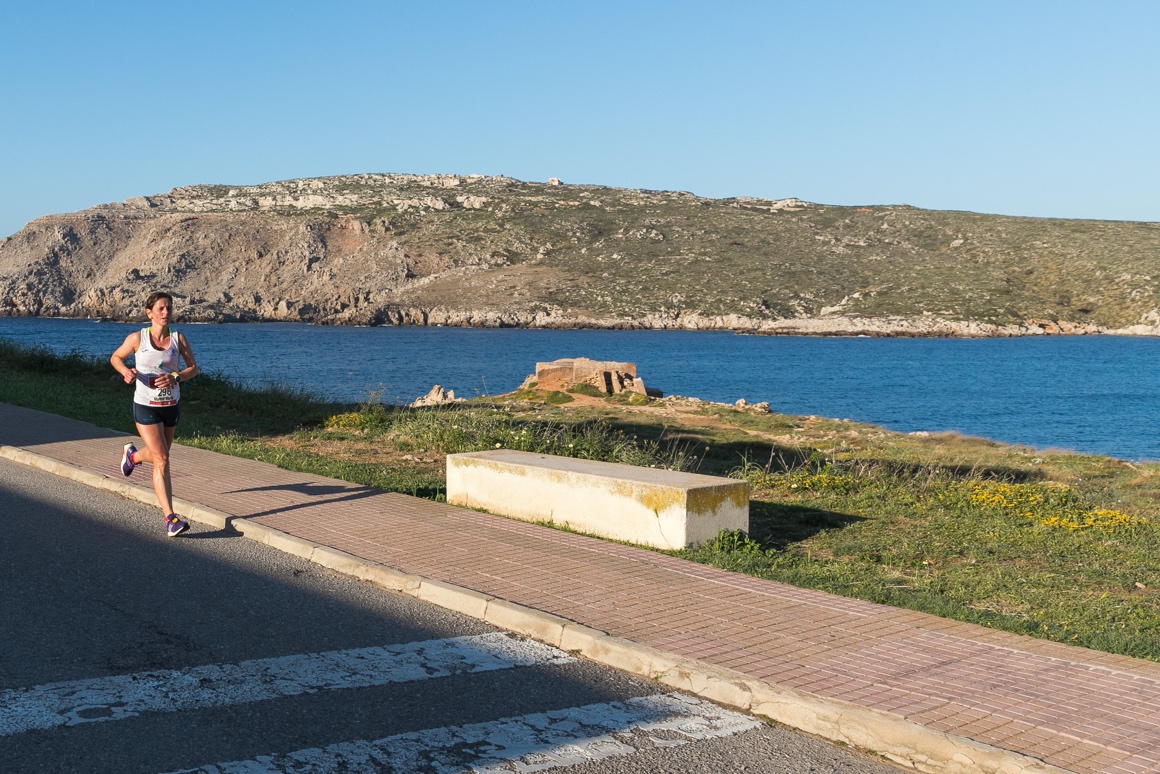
column 221, row 267
column 303, row 250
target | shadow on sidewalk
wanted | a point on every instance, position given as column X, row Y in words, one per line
column 319, row 494
column 307, row 488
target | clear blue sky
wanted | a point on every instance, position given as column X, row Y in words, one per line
column 1022, row 108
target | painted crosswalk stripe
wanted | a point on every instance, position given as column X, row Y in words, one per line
column 124, row 696
column 534, row 742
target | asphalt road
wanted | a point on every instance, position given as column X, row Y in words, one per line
column 122, row 650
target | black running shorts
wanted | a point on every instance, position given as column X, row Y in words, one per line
column 154, row 415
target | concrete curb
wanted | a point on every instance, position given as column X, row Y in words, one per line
column 889, row 735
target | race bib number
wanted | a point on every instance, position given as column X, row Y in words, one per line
column 164, row 397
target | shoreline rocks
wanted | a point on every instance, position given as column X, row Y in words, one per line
column 103, row 305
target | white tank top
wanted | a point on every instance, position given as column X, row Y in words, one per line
column 152, row 362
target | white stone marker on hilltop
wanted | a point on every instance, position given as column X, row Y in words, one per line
column 659, row 508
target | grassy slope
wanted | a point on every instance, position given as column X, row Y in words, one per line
column 1053, row 545
column 607, row 252
column 640, row 252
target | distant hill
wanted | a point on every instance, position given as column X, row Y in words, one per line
column 491, row 251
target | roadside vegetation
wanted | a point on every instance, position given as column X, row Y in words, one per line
column 1055, row 545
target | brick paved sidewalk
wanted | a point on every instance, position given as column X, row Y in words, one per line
column 1074, row 708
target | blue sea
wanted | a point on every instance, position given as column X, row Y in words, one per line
column 1092, row 394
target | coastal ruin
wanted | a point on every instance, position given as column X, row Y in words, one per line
column 611, row 378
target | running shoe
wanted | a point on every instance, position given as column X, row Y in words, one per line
column 127, row 463
column 174, row 526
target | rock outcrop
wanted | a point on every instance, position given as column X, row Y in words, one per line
column 436, row 397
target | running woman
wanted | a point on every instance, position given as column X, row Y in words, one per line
column 159, row 350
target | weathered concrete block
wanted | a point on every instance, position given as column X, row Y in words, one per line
column 276, row 538
column 452, row 597
column 573, row 370
column 659, row 508
column 389, row 578
column 538, row 625
column 339, row 561
column 619, row 653
column 576, row 638
column 552, row 375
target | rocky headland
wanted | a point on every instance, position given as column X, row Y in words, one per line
column 389, row 249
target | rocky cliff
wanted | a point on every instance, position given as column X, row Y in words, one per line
column 492, row 251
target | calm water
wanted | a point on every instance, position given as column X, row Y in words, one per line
column 1099, row 395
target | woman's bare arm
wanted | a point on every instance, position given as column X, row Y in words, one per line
column 128, row 347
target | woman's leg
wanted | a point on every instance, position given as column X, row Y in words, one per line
column 158, row 439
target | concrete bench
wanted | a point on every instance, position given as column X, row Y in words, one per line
column 659, row 508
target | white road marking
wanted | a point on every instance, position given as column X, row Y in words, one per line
column 535, row 742
column 215, row 685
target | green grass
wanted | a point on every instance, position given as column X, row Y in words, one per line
column 1054, row 545
column 1032, row 557
column 87, row 388
column 387, row 477
column 483, row 425
column 584, row 388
